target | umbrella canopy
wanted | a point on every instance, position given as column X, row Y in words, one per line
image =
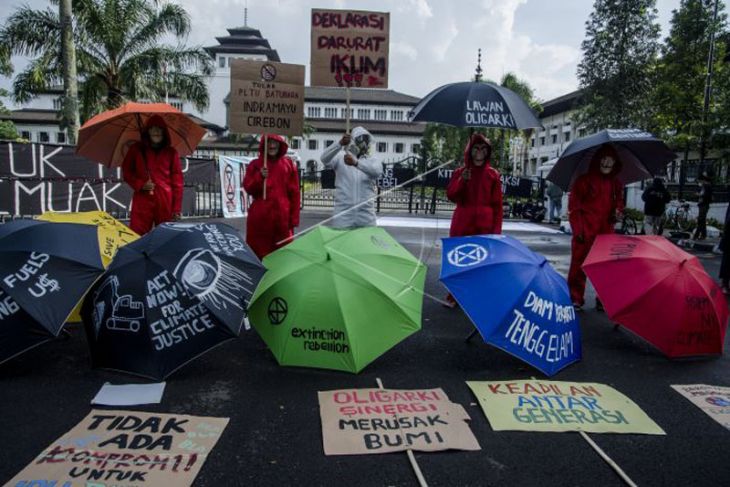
column 45, row 269
column 112, row 235
column 337, row 299
column 660, row 292
column 475, row 104
column 169, row 297
column 642, row 156
column 515, row 299
column 106, row 137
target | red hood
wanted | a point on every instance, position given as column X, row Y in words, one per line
column 605, row 150
column 467, row 152
column 283, row 146
column 156, row 121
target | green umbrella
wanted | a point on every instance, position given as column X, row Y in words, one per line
column 336, row 299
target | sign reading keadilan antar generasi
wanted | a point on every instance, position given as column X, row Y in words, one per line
column 350, row 48
column 266, row 97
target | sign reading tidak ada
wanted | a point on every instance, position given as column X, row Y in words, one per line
column 126, row 448
column 713, row 400
column 363, row 421
column 535, row 405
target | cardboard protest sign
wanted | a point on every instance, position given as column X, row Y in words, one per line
column 349, row 48
column 266, row 97
column 362, row 421
column 537, row 405
column 126, row 448
column 713, row 400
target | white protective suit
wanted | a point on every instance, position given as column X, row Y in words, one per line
column 353, row 184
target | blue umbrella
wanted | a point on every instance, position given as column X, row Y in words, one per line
column 475, row 104
column 642, row 156
column 515, row 299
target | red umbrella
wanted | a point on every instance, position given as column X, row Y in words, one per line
column 660, row 292
column 106, row 137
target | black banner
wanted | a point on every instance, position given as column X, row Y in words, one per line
column 511, row 185
column 390, row 178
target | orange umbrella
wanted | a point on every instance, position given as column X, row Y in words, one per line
column 106, row 137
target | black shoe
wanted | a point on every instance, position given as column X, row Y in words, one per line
column 599, row 305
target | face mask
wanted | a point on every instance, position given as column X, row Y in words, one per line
column 607, row 164
column 362, row 142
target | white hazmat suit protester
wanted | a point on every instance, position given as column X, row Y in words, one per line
column 356, row 174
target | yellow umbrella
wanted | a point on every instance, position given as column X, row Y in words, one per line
column 112, row 235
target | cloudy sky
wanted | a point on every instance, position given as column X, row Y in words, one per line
column 433, row 42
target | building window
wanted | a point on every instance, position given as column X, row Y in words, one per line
column 532, row 142
column 396, row 115
column 230, row 61
column 398, row 148
column 328, row 143
column 57, row 104
column 177, row 104
column 581, row 132
column 43, row 137
column 61, row 137
column 343, row 112
column 363, row 114
column 221, row 61
column 314, row 112
column 567, row 136
column 415, row 148
column 25, row 134
column 382, row 147
column 296, row 143
column 330, row 112
column 312, row 144
column 542, row 140
column 381, row 114
column 555, row 138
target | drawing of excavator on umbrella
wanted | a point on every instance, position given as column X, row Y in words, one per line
column 127, row 314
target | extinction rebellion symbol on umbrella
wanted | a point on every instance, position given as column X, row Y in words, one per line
column 467, row 255
column 268, row 72
column 277, row 311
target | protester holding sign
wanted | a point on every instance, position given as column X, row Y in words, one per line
column 477, row 191
column 153, row 171
column 595, row 203
column 272, row 216
column 356, row 172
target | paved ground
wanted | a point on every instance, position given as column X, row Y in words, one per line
column 274, row 436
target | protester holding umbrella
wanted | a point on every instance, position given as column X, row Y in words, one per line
column 655, row 199
column 594, row 205
column 274, row 213
column 477, row 191
column 152, row 168
column 704, row 198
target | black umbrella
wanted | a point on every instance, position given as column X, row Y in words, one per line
column 169, row 297
column 475, row 104
column 45, row 270
column 641, row 154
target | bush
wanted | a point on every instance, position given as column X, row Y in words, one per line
column 637, row 215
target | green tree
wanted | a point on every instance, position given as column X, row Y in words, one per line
column 7, row 127
column 616, row 72
column 119, row 53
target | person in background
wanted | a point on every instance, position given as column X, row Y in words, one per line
column 555, row 199
column 595, row 204
column 477, row 191
column 271, row 220
column 356, row 174
column 704, row 198
column 655, row 197
column 725, row 248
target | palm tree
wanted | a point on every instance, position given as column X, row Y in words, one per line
column 118, row 52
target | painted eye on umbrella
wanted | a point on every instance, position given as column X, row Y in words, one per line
column 200, row 271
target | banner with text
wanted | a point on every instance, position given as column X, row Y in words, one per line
column 511, row 185
column 266, row 97
column 349, row 48
column 126, row 448
column 234, row 197
column 713, row 400
column 536, row 405
column 364, row 421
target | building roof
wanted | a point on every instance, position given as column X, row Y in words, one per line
column 376, row 128
column 359, row 95
column 561, row 104
column 32, row 116
column 243, row 40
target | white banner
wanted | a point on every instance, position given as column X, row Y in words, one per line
column 233, row 196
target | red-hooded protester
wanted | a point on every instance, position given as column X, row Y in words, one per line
column 152, row 169
column 477, row 192
column 271, row 221
column 595, row 202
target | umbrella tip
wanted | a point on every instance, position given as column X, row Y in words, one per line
column 478, row 74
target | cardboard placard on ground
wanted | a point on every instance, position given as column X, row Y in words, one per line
column 538, row 405
column 349, row 48
column 713, row 400
column 266, row 97
column 126, row 448
column 363, row 421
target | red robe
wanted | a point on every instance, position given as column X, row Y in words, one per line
column 162, row 165
column 271, row 221
column 478, row 200
column 592, row 205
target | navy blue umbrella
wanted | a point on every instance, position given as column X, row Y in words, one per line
column 475, row 104
column 641, row 154
column 170, row 296
column 45, row 270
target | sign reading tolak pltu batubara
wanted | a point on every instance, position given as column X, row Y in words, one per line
column 364, row 421
column 126, row 448
column 350, row 48
column 266, row 97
